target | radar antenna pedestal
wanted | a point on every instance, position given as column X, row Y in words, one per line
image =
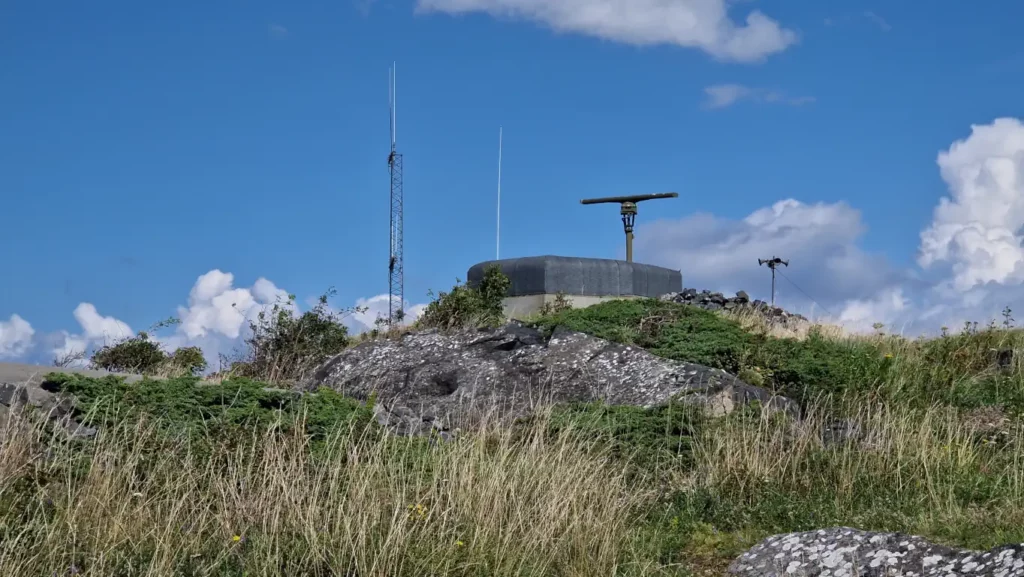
column 628, row 212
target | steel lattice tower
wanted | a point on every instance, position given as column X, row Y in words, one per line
column 396, row 280
column 396, row 265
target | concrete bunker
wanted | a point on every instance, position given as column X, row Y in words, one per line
column 537, row 280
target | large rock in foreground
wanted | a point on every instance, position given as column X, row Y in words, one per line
column 423, row 377
column 844, row 552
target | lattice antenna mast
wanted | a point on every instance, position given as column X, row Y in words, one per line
column 628, row 212
column 772, row 263
column 396, row 265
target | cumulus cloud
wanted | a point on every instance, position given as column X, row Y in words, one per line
column 971, row 256
column 15, row 337
column 96, row 331
column 97, row 327
column 976, row 230
column 885, row 307
column 724, row 95
column 820, row 241
column 216, row 318
column 377, row 307
column 701, row 24
column 973, row 251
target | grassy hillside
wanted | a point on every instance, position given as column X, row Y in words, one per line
column 230, row 479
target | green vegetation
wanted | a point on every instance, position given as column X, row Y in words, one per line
column 282, row 347
column 190, row 407
column 957, row 370
column 196, row 478
column 286, row 348
column 140, row 355
column 468, row 306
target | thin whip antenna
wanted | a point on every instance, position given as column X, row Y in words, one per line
column 497, row 245
column 394, row 105
column 393, row 101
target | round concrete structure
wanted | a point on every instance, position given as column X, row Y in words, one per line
column 537, row 280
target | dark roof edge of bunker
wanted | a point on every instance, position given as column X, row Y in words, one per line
column 551, row 274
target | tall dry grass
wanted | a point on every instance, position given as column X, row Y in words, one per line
column 757, row 322
column 948, row 473
column 135, row 502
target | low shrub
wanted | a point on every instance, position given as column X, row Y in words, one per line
column 141, row 355
column 285, row 347
column 469, row 306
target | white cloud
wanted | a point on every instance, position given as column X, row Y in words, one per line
column 819, row 240
column 15, row 337
column 724, row 95
column 978, row 229
column 972, row 254
column 96, row 331
column 973, row 248
column 885, row 307
column 377, row 307
column 702, row 24
column 216, row 319
column 96, row 327
column 277, row 31
column 214, row 306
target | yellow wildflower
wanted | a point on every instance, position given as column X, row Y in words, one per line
column 419, row 510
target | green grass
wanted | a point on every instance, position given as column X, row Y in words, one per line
column 188, row 405
column 956, row 370
column 311, row 486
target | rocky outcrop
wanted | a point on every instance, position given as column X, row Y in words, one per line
column 844, row 552
column 713, row 301
column 19, row 398
column 423, row 380
column 24, row 388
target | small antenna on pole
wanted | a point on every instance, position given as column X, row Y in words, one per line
column 497, row 244
column 772, row 264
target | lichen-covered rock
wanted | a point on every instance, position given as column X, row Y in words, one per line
column 845, row 552
column 426, row 377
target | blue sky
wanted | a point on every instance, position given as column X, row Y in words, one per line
column 144, row 146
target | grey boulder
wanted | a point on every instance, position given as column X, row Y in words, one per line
column 845, row 552
column 17, row 398
column 423, row 380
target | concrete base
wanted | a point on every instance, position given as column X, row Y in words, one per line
column 524, row 306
